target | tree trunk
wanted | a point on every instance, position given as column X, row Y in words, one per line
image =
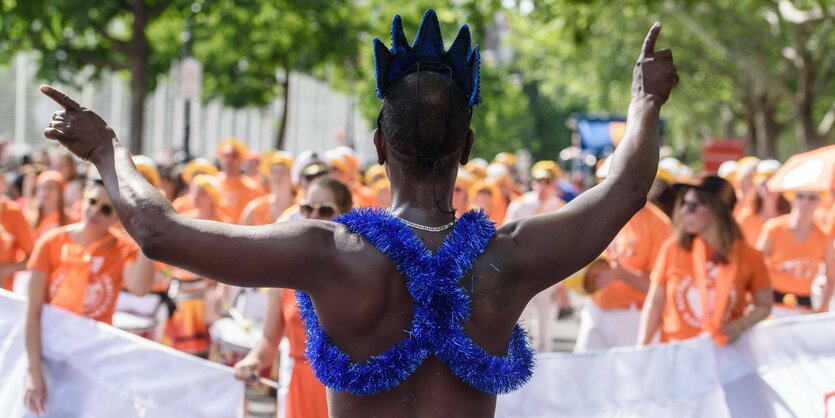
column 282, row 128
column 770, row 128
column 138, row 67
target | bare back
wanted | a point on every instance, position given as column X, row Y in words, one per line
column 371, row 309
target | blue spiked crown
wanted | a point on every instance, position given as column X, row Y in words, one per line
column 459, row 63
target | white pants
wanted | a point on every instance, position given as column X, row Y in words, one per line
column 539, row 319
column 601, row 329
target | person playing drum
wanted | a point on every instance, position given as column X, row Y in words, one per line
column 326, row 199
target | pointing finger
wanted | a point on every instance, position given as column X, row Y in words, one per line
column 60, row 98
column 649, row 42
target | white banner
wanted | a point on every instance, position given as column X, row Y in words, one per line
column 93, row 370
column 781, row 368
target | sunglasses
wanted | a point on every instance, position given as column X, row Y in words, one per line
column 690, row 206
column 806, row 196
column 544, row 180
column 325, row 210
column 106, row 209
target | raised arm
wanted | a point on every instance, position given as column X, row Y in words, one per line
column 270, row 256
column 553, row 246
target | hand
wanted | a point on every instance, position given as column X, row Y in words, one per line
column 604, row 278
column 34, row 397
column 247, row 369
column 732, row 330
column 655, row 74
column 78, row 129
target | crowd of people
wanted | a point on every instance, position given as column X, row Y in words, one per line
column 706, row 254
column 715, row 253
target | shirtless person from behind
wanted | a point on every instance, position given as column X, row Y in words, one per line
column 466, row 345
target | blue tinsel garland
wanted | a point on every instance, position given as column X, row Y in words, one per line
column 441, row 307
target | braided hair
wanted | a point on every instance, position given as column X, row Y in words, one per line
column 425, row 119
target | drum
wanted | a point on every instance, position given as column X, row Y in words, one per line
column 143, row 326
column 187, row 329
column 231, row 341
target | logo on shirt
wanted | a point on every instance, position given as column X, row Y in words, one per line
column 100, row 294
column 798, row 268
column 689, row 304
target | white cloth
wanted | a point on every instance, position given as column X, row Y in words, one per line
column 539, row 317
column 529, row 205
column 602, row 329
column 780, row 368
column 93, row 370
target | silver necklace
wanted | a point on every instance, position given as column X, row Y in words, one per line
column 427, row 228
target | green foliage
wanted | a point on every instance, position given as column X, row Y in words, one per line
column 244, row 44
column 503, row 121
column 73, row 36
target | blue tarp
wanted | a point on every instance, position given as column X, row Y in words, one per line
column 595, row 132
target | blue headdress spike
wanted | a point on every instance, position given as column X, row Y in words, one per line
column 463, row 64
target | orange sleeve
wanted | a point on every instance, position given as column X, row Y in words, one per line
column 659, row 271
column 23, row 234
column 759, row 273
column 40, row 258
column 661, row 231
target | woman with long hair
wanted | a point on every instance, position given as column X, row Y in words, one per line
column 704, row 271
column 79, row 268
column 326, row 199
column 48, row 211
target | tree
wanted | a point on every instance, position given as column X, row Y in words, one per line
column 754, row 67
column 72, row 36
column 249, row 47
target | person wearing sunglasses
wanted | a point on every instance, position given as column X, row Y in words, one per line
column 326, row 199
column 704, row 273
column 795, row 248
column 410, row 311
column 79, row 268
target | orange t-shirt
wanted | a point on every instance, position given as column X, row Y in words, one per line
column 52, row 221
column 362, row 196
column 236, row 193
column 16, row 239
column 183, row 203
column 261, row 214
column 636, row 247
column 106, row 268
column 751, row 224
column 682, row 315
column 306, row 396
column 793, row 264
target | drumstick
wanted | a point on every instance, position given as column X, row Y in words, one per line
column 269, row 383
column 238, row 317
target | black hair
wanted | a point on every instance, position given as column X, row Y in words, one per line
column 425, row 118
